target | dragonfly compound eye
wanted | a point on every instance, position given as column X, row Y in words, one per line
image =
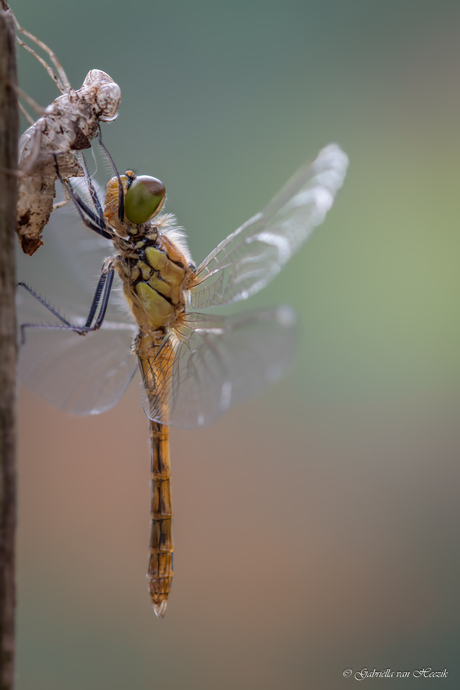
column 144, row 199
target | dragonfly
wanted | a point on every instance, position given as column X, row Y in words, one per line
column 53, row 142
column 194, row 365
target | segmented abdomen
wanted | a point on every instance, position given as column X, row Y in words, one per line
column 160, row 566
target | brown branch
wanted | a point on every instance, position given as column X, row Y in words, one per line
column 9, row 128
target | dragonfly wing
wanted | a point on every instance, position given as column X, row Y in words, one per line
column 80, row 249
column 251, row 257
column 216, row 361
column 68, row 267
column 79, row 374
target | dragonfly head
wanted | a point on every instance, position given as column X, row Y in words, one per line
column 144, row 199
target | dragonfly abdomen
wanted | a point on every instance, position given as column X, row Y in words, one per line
column 160, row 565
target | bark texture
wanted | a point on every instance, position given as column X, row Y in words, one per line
column 8, row 185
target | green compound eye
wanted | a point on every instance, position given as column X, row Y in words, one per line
column 144, row 199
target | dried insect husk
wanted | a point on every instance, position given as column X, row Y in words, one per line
column 50, row 145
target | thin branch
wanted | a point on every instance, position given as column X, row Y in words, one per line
column 9, row 129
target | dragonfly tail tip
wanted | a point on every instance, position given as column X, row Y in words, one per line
column 160, row 609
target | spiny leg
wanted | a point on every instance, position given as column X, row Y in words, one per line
column 91, row 221
column 43, row 301
column 100, row 299
column 103, row 289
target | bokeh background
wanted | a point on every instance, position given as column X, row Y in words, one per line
column 316, row 525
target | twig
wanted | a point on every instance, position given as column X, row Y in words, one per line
column 9, row 128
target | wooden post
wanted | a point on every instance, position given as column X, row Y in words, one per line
column 9, row 128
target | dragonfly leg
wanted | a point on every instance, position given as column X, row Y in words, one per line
column 90, row 219
column 104, row 288
column 44, row 302
column 100, row 299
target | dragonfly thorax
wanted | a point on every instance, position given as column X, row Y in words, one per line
column 153, row 271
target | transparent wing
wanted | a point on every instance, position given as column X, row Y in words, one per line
column 213, row 362
column 69, row 264
column 79, row 374
column 82, row 250
column 251, row 257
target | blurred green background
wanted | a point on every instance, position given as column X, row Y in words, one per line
column 317, row 525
